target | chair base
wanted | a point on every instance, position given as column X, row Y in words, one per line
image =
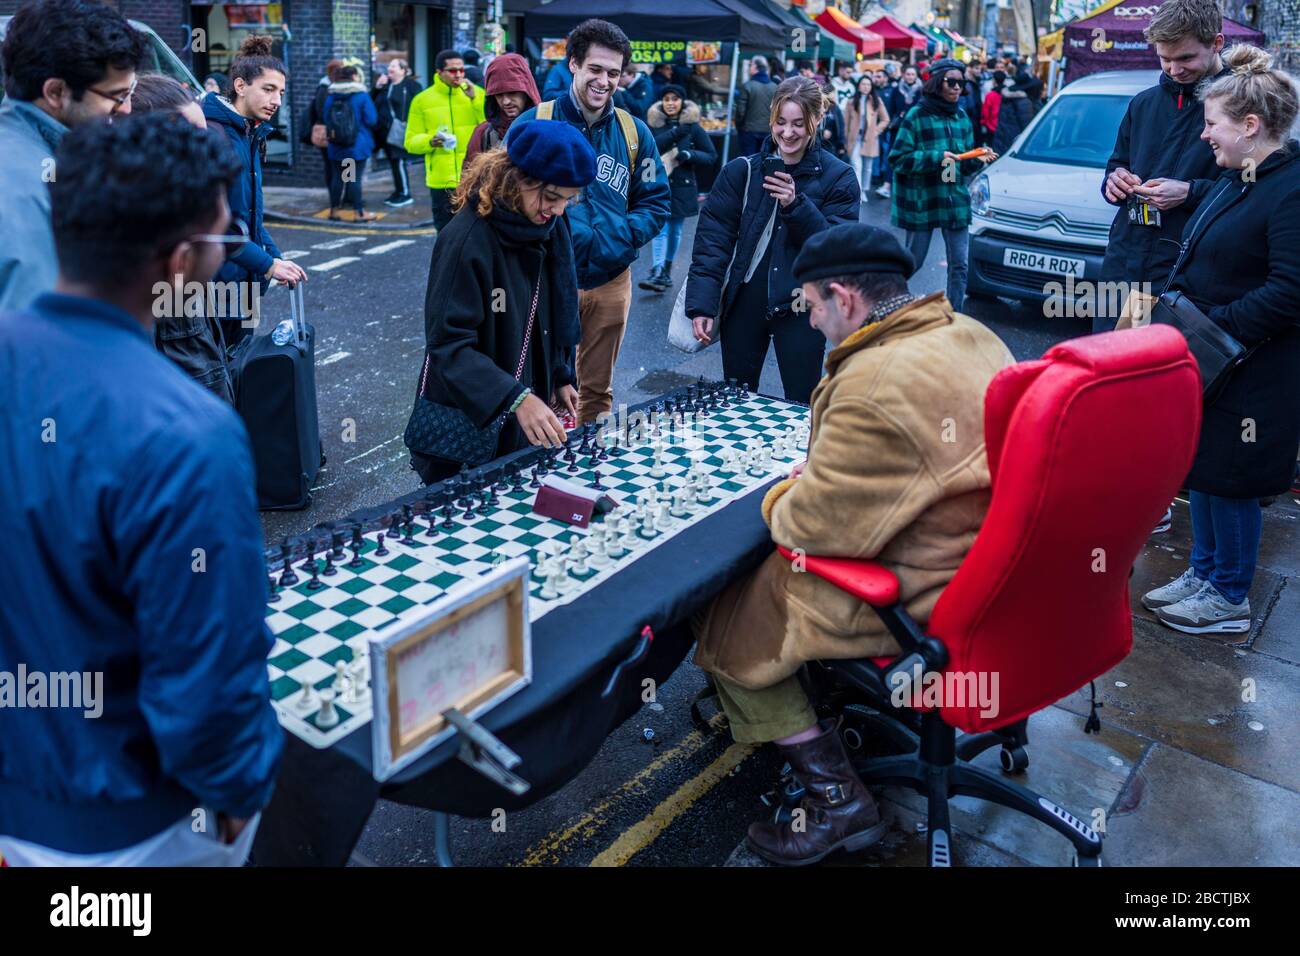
column 939, row 768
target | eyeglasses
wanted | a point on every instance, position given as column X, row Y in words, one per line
column 234, row 239
column 448, row 69
column 118, row 101
column 955, row 84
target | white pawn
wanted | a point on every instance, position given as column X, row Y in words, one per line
column 340, row 678
column 599, row 558
column 765, row 459
column 648, row 525
column 550, row 588
column 665, row 520
column 614, row 540
column 307, row 699
column 657, row 468
column 678, row 509
column 578, row 558
column 327, row 716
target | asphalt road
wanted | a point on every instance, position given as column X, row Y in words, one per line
column 680, row 798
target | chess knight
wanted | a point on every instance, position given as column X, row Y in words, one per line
column 896, row 471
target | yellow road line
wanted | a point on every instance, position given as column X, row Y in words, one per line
column 553, row 847
column 644, row 832
column 344, row 231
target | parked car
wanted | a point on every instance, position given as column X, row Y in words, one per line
column 158, row 57
column 1038, row 216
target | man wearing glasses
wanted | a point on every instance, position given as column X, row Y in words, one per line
column 134, row 557
column 440, row 126
column 66, row 62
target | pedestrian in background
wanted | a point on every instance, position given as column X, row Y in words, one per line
column 929, row 181
column 1239, row 266
column 867, row 118
column 510, row 91
column 257, row 80
column 351, row 119
column 314, row 133
column 741, row 287
column 489, row 362
column 685, row 148
column 473, row 72
column 439, row 126
column 395, row 90
column 992, row 107
column 636, row 92
column 752, row 108
column 66, row 62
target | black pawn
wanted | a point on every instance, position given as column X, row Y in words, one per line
column 315, row 583
column 336, row 543
column 447, row 510
column 500, row 484
column 487, row 498
column 408, row 533
column 469, row 508
column 380, row 550
column 330, row 570
column 358, row 545
column 537, row 479
column 287, row 577
column 432, row 515
column 595, row 475
column 516, row 479
column 271, row 595
column 309, row 563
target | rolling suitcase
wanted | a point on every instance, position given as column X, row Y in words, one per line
column 275, row 394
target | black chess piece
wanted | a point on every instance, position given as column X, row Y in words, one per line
column 571, row 459
column 492, row 501
column 309, row 563
column 595, row 478
column 271, row 594
column 358, row 545
column 516, row 478
column 287, row 576
column 336, row 544
column 315, row 583
column 744, row 391
column 431, row 513
column 408, row 532
column 380, row 550
column 448, row 512
column 537, row 480
column 501, row 484
column 330, row 570
column 487, row 498
column 469, row 508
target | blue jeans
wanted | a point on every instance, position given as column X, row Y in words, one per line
column 664, row 245
column 1225, row 542
column 957, row 244
column 880, row 168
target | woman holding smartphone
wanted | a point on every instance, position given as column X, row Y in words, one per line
column 759, row 214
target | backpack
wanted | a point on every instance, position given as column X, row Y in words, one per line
column 627, row 124
column 341, row 122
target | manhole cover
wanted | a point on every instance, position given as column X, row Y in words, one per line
column 664, row 380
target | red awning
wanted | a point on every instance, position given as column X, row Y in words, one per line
column 846, row 28
column 895, row 35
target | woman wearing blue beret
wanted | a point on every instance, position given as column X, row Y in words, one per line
column 501, row 308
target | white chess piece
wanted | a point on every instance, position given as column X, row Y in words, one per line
column 599, row 559
column 327, row 716
column 678, row 509
column 657, row 468
column 665, row 520
column 578, row 558
column 550, row 588
column 614, row 540
column 648, row 525
column 340, row 678
column 307, row 699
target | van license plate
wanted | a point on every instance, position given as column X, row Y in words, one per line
column 1043, row 262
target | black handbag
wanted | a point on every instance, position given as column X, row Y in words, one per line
column 444, row 431
column 1216, row 352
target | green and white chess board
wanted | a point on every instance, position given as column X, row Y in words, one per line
column 318, row 627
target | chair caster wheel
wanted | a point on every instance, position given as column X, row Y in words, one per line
column 852, row 739
column 1014, row 759
column 1077, row 860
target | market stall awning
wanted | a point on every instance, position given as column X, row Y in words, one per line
column 725, row 20
column 846, row 28
column 933, row 38
column 895, row 35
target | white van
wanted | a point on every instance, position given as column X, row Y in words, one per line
column 1038, row 215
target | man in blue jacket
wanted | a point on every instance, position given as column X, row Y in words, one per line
column 66, row 62
column 132, row 558
column 620, row 212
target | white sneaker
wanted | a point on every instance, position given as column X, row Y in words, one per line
column 1206, row 612
column 1177, row 590
column 1165, row 523
column 883, row 191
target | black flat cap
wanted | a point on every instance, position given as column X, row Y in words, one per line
column 849, row 249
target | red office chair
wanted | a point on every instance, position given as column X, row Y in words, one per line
column 1086, row 446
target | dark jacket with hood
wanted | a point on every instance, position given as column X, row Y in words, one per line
column 694, row 150
column 472, row 344
column 752, row 108
column 393, row 101
column 637, row 97
column 1159, row 137
column 624, row 208
column 365, row 116
column 827, row 194
column 1241, row 269
column 507, row 73
column 248, row 145
column 1014, row 114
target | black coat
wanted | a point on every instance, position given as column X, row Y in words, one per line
column 827, row 194
column 399, row 107
column 833, row 123
column 474, row 335
column 1014, row 115
column 1242, row 269
column 1160, row 136
column 683, row 134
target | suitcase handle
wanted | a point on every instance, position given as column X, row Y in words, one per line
column 299, row 315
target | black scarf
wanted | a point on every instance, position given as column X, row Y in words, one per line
column 937, row 105
column 516, row 230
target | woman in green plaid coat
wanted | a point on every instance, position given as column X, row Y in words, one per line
column 929, row 182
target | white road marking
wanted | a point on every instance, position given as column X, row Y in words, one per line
column 330, row 359
column 339, row 243
column 334, row 263
column 388, row 247
column 295, row 253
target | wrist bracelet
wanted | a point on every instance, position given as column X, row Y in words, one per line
column 514, row 406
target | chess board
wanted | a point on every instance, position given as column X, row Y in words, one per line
column 361, row 594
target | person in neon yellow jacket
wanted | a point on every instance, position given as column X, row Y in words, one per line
column 439, row 127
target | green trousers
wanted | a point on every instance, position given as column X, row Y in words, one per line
column 758, row 716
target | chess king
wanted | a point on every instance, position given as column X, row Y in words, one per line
column 905, row 378
column 134, row 548
column 501, row 311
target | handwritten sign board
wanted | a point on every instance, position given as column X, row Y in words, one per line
column 470, row 650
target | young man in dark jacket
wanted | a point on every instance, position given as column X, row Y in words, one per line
column 510, row 91
column 1160, row 169
column 752, row 109
column 133, row 561
column 619, row 213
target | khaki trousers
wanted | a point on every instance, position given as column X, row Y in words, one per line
column 603, row 313
column 759, row 716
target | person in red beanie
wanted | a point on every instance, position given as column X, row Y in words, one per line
column 511, row 89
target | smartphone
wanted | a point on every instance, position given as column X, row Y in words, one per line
column 773, row 164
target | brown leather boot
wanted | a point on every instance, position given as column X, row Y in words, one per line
column 838, row 811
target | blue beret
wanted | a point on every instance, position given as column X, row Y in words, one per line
column 551, row 151
column 849, row 249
